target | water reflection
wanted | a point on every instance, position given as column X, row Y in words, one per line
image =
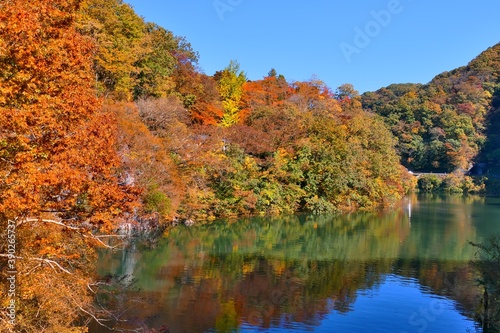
column 312, row 272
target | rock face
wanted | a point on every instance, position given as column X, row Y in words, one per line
column 187, row 222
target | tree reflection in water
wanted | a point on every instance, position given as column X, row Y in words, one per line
column 289, row 271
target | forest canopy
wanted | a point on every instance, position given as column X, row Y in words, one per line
column 449, row 123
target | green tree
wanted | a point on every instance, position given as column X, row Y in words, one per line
column 118, row 33
column 163, row 51
column 155, row 67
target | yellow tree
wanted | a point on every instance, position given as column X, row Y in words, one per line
column 231, row 81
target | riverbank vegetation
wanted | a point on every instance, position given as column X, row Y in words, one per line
column 453, row 183
column 107, row 123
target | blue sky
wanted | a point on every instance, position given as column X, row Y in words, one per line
column 370, row 44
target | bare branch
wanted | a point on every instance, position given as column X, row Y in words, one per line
column 97, row 284
column 100, row 242
column 95, row 237
column 7, row 161
column 51, row 263
column 101, row 321
column 33, row 269
column 110, row 236
column 53, row 222
column 97, row 320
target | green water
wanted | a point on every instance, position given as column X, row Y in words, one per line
column 406, row 270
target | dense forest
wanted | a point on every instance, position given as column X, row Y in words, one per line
column 106, row 122
column 448, row 124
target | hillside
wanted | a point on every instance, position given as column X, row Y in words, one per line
column 211, row 146
column 449, row 123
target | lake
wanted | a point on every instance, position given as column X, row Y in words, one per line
column 405, row 270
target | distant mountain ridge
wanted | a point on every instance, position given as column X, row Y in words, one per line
column 449, row 123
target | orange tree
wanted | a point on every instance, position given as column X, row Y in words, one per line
column 58, row 166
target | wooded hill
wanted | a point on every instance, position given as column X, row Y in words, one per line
column 204, row 147
column 449, row 123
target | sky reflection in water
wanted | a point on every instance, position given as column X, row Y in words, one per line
column 385, row 272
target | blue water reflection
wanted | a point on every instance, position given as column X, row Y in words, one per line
column 407, row 270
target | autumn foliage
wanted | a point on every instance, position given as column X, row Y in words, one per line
column 448, row 124
column 58, row 162
column 106, row 121
column 289, row 147
column 57, row 148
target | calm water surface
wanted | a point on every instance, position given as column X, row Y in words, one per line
column 407, row 270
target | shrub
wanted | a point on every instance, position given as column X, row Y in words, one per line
column 452, row 183
column 156, row 201
column 429, row 183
